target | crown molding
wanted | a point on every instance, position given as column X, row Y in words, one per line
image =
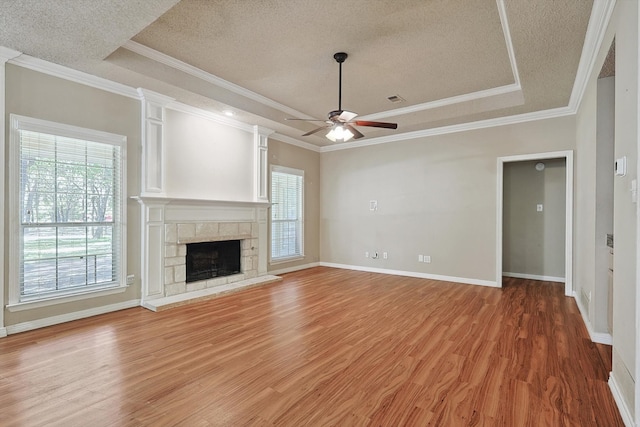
column 596, row 30
column 7, row 54
column 467, row 97
column 76, row 76
column 463, row 127
column 502, row 11
column 292, row 141
column 156, row 97
column 174, row 63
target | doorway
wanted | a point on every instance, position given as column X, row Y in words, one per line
column 568, row 211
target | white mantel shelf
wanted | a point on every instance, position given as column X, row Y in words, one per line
column 198, row 202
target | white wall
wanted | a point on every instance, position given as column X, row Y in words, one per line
column 207, row 160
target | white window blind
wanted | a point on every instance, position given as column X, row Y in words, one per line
column 69, row 209
column 287, row 221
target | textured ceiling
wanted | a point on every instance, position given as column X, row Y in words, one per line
column 453, row 61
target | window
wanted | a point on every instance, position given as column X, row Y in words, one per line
column 67, row 199
column 287, row 222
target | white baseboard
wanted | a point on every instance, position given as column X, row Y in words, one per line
column 625, row 413
column 534, row 277
column 464, row 280
column 292, row 269
column 597, row 337
column 68, row 317
column 3, row 332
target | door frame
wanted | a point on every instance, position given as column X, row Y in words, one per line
column 568, row 243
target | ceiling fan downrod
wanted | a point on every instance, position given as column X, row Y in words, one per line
column 340, row 57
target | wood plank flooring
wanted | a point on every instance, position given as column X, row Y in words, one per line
column 324, row 347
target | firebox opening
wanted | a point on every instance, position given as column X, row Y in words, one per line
column 207, row 260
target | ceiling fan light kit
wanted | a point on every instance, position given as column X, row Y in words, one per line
column 340, row 122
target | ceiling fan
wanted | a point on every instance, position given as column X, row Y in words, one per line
column 341, row 122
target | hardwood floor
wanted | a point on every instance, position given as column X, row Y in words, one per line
column 322, row 347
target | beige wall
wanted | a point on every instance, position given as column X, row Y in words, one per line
column 282, row 154
column 533, row 241
column 37, row 95
column 624, row 27
column 436, row 196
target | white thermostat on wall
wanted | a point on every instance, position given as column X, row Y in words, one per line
column 621, row 166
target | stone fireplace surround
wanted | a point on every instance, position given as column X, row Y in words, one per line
column 179, row 234
column 168, row 224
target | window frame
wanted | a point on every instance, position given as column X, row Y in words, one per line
column 301, row 255
column 18, row 302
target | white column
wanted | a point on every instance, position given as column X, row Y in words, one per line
column 152, row 249
column 261, row 149
column 153, row 162
column 5, row 55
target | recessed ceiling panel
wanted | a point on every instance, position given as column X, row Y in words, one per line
column 420, row 50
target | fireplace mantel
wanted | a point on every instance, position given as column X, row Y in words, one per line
column 170, row 221
column 199, row 202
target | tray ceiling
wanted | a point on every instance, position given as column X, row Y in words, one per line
column 451, row 61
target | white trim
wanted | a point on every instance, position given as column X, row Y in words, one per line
column 502, row 11
column 296, row 172
column 533, row 277
column 76, row 76
column 625, row 413
column 68, row 317
column 462, row 127
column 467, row 97
column 63, row 299
column 296, row 268
column 419, row 275
column 174, row 63
column 5, row 55
column 596, row 30
column 597, row 337
column 568, row 244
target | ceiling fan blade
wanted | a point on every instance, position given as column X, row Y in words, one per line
column 305, row 120
column 321, row 128
column 376, row 124
column 356, row 133
column 347, row 116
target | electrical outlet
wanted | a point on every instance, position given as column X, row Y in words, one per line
column 427, row 259
column 384, row 255
column 130, row 279
column 420, row 258
column 366, row 254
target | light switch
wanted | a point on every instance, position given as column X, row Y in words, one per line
column 373, row 205
column 539, row 207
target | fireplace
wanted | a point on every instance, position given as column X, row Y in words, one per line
column 206, row 260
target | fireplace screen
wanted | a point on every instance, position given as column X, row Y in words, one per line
column 212, row 259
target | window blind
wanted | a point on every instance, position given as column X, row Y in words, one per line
column 69, row 208
column 287, row 225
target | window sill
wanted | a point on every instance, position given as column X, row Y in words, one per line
column 62, row 299
column 283, row 260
